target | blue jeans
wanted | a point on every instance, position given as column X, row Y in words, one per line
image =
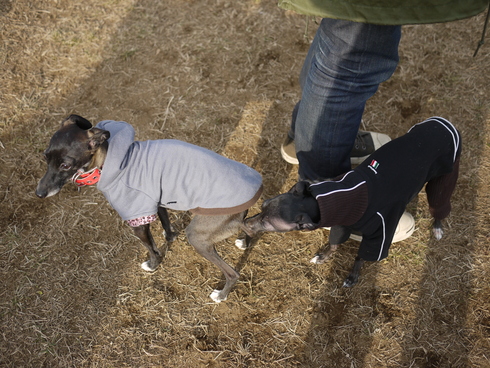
column 345, row 65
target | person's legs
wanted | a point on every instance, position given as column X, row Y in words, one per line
column 344, row 66
column 365, row 144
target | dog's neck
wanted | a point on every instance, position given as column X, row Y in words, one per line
column 312, row 208
column 99, row 156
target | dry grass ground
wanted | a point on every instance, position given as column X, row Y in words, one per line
column 223, row 74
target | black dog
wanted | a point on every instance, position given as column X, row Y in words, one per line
column 141, row 179
column 371, row 198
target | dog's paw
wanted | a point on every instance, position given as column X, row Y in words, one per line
column 350, row 281
column 216, row 296
column 241, row 244
column 170, row 237
column 438, row 233
column 314, row 260
column 146, row 267
column 317, row 260
column 320, row 258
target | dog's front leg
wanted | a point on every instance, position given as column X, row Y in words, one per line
column 170, row 233
column 353, row 277
column 144, row 234
column 338, row 235
column 324, row 253
column 437, row 229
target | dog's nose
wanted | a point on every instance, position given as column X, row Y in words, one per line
column 41, row 193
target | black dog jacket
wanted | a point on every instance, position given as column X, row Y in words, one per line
column 372, row 197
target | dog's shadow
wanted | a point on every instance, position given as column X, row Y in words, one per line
column 341, row 315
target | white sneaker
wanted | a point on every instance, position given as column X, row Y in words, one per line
column 288, row 151
column 404, row 229
column 365, row 144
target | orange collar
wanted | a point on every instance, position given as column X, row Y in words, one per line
column 82, row 178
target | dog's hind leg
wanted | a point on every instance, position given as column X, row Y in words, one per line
column 246, row 238
column 203, row 232
column 439, row 191
column 144, row 234
column 353, row 277
column 244, row 241
column 170, row 233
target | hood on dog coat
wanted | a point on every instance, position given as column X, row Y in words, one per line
column 140, row 176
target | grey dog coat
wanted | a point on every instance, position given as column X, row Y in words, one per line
column 372, row 197
column 139, row 176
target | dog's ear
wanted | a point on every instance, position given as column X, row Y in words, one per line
column 97, row 137
column 305, row 222
column 300, row 188
column 82, row 123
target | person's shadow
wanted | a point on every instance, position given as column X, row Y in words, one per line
column 431, row 332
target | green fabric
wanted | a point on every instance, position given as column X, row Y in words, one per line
column 389, row 12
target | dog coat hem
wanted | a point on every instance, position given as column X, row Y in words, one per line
column 143, row 220
column 228, row 210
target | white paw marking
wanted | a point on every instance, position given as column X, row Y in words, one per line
column 215, row 296
column 240, row 243
column 438, row 233
column 146, row 267
column 347, row 284
column 315, row 259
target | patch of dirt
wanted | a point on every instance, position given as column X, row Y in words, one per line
column 224, row 75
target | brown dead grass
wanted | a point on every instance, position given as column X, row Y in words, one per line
column 223, row 75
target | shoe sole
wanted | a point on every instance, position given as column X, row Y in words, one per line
column 287, row 158
column 294, row 160
column 381, row 140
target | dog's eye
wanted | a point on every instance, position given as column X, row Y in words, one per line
column 65, row 167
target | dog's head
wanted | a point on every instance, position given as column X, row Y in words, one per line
column 294, row 210
column 71, row 148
